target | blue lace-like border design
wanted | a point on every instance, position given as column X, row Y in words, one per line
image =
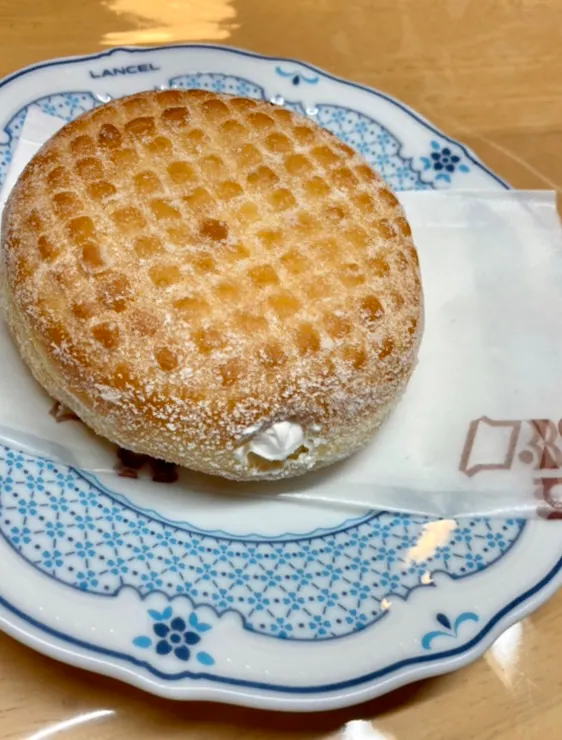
column 64, row 105
column 377, row 145
column 311, row 587
column 307, row 587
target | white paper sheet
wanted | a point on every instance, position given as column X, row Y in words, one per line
column 37, row 128
column 477, row 431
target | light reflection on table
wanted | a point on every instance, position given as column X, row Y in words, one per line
column 171, row 21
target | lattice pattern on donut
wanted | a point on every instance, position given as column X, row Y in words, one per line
column 208, row 238
column 224, row 175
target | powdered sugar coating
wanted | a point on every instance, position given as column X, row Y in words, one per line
column 181, row 266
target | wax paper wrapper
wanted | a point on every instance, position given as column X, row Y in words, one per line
column 478, row 430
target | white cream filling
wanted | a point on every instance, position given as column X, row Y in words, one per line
column 276, row 442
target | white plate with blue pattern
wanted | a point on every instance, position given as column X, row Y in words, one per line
column 270, row 604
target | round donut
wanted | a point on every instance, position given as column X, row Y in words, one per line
column 213, row 281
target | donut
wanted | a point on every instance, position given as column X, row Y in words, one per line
column 213, row 281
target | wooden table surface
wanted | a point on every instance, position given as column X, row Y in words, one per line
column 484, row 71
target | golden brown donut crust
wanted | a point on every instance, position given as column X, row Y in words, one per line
column 180, row 266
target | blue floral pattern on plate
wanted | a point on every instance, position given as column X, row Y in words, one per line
column 172, row 635
column 297, row 77
column 375, row 143
column 219, row 83
column 444, row 162
column 370, row 138
column 307, row 587
column 447, row 629
column 64, row 105
column 88, row 547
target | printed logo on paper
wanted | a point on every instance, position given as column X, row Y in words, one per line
column 500, row 444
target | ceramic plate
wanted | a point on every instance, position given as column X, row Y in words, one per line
column 262, row 603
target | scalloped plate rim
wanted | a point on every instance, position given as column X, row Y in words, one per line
column 397, row 675
column 417, row 669
column 76, row 58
